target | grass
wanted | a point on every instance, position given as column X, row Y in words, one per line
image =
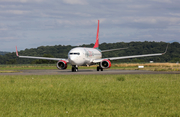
column 90, row 95
column 123, row 66
column 27, row 66
column 6, row 71
column 148, row 66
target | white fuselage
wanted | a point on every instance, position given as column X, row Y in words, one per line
column 82, row 56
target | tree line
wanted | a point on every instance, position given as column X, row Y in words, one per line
column 134, row 48
column 3, row 53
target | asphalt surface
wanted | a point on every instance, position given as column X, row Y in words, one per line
column 86, row 72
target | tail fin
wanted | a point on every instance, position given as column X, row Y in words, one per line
column 16, row 51
column 96, row 45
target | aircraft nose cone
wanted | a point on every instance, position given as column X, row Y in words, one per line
column 72, row 60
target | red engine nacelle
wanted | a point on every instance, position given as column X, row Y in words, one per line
column 105, row 64
column 61, row 64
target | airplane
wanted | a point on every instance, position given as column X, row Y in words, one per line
column 82, row 56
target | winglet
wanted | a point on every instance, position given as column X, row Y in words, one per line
column 166, row 49
column 97, row 37
column 16, row 52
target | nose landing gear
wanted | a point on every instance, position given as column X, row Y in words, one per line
column 74, row 68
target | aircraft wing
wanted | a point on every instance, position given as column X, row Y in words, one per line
column 126, row 57
column 113, row 49
column 45, row 58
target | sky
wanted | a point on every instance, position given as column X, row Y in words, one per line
column 34, row 23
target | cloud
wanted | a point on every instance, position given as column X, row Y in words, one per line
column 16, row 12
column 138, row 6
column 3, row 29
column 8, row 39
column 80, row 2
column 155, row 20
column 34, row 23
column 22, row 1
column 164, row 1
column 174, row 14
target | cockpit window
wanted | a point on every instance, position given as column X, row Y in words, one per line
column 74, row 53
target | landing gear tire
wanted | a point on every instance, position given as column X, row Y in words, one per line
column 74, row 69
column 99, row 68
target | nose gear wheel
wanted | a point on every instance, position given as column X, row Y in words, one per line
column 74, row 68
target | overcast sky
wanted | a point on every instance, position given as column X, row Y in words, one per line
column 34, row 23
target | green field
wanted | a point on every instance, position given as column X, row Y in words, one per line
column 90, row 95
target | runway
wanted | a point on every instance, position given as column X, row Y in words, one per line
column 86, row 72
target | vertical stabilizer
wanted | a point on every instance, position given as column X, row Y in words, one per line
column 16, row 51
column 96, row 45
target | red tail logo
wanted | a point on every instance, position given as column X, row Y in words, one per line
column 96, row 45
column 16, row 51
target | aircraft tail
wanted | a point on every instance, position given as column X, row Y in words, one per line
column 96, row 45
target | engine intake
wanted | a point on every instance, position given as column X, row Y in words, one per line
column 105, row 64
column 61, row 64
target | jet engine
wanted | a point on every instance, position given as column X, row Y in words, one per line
column 105, row 64
column 61, row 64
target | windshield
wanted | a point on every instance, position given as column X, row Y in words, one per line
column 74, row 53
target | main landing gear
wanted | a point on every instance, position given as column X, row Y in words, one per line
column 74, row 68
column 99, row 68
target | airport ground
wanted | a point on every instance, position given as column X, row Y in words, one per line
column 115, row 69
column 85, row 72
